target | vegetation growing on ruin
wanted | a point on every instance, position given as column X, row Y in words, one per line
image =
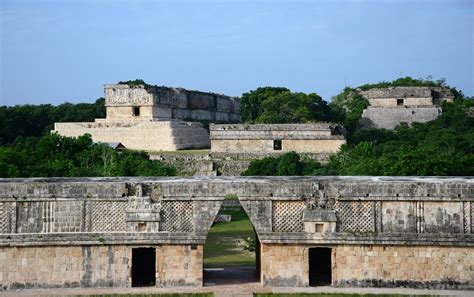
column 406, row 82
column 54, row 155
column 287, row 164
column 37, row 120
column 347, row 108
column 134, row 83
column 272, row 105
column 442, row 147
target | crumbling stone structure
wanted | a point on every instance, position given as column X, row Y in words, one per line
column 389, row 107
column 164, row 103
column 152, row 118
column 320, row 138
column 344, row 231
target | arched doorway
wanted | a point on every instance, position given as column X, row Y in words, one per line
column 232, row 248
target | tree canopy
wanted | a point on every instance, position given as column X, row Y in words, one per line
column 273, row 105
column 36, row 120
column 55, row 155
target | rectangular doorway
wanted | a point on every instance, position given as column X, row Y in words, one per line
column 143, row 267
column 320, row 267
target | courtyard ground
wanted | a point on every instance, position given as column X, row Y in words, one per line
column 235, row 291
column 225, row 242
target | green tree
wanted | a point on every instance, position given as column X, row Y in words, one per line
column 37, row 120
column 271, row 105
column 54, row 155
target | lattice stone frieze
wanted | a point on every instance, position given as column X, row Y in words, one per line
column 108, row 216
column 287, row 216
column 5, row 214
column 355, row 216
column 48, row 215
column 472, row 216
column 176, row 216
column 466, row 217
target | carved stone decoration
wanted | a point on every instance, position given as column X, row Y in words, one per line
column 318, row 199
column 143, row 212
column 319, row 221
column 156, row 194
column 318, row 217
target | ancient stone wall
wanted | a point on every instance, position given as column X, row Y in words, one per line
column 389, row 107
column 165, row 103
column 405, row 266
column 64, row 266
column 389, row 118
column 95, row 266
column 179, row 265
column 411, row 96
column 368, row 222
column 142, row 135
column 262, row 138
column 373, row 266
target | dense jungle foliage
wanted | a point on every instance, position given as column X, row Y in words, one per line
column 37, row 120
column 54, row 155
column 271, row 105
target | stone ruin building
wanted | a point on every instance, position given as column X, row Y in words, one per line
column 234, row 146
column 339, row 231
column 389, row 107
column 156, row 118
column 318, row 138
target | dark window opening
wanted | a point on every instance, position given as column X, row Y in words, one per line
column 143, row 267
column 136, row 111
column 277, row 145
column 400, row 102
column 320, row 266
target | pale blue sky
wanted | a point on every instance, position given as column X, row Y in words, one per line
column 56, row 51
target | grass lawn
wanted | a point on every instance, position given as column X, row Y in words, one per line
column 225, row 241
column 325, row 295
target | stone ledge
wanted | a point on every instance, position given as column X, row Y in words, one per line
column 120, row 238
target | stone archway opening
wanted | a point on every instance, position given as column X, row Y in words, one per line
column 232, row 248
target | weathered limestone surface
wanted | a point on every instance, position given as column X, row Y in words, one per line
column 152, row 118
column 179, row 265
column 142, row 135
column 389, row 107
column 373, row 266
column 165, row 103
column 86, row 224
column 413, row 96
column 389, row 118
column 65, row 266
column 95, row 266
column 259, row 138
column 408, row 266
